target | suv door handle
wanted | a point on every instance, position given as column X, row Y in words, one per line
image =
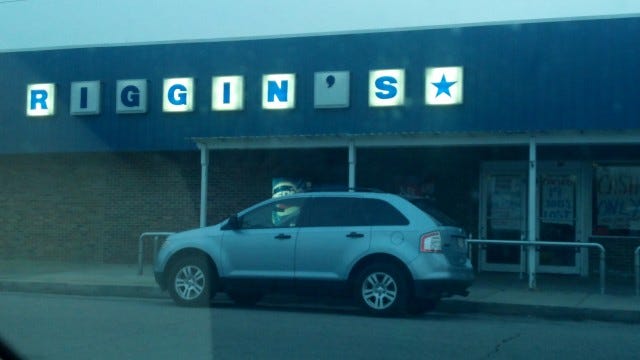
column 283, row 236
column 354, row 235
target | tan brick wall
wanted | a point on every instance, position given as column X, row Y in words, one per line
column 93, row 207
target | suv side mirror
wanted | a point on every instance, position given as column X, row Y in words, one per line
column 233, row 223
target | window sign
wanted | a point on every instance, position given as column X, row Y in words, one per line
column 617, row 200
column 278, row 91
column 178, row 95
column 558, row 197
column 41, row 99
column 227, row 93
column 331, row 89
column 131, row 96
column 443, row 86
column 85, row 98
column 506, row 202
column 386, row 87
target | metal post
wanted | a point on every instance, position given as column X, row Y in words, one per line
column 155, row 249
column 204, row 182
column 603, row 270
column 352, row 165
column 532, row 212
column 140, row 250
column 637, row 264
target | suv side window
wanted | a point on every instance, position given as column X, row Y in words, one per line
column 380, row 213
column 333, row 211
column 276, row 214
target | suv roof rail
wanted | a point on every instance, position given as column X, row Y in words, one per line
column 343, row 188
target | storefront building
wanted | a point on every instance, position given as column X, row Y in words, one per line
column 518, row 131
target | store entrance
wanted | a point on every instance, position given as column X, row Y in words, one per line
column 503, row 216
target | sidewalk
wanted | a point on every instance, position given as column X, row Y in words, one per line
column 556, row 296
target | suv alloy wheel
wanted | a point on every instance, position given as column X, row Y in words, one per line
column 190, row 281
column 381, row 289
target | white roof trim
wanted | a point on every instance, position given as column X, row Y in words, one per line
column 415, row 139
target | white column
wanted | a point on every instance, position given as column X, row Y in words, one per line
column 352, row 165
column 531, row 260
column 204, row 182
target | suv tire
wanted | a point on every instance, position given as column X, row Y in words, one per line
column 381, row 289
column 191, row 282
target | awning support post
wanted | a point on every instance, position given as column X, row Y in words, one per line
column 204, row 182
column 352, row 165
column 531, row 260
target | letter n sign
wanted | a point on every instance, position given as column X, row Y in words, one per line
column 85, row 98
column 278, row 91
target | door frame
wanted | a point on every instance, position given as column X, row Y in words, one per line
column 582, row 211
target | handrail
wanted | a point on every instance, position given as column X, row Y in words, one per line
column 603, row 266
column 155, row 235
column 637, row 266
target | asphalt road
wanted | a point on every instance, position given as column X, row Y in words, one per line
column 71, row 327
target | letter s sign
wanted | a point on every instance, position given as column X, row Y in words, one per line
column 386, row 87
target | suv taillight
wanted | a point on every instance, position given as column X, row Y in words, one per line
column 431, row 242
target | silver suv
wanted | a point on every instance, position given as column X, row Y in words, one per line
column 383, row 250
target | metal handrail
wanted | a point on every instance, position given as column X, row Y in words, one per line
column 637, row 266
column 603, row 266
column 156, row 236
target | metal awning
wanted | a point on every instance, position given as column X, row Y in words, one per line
column 415, row 139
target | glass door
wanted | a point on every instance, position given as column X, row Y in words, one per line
column 503, row 217
column 558, row 198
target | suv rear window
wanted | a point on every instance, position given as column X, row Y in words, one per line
column 438, row 216
column 351, row 211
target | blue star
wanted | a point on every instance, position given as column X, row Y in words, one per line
column 443, row 86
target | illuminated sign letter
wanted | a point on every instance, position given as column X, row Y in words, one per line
column 40, row 99
column 227, row 93
column 131, row 96
column 386, row 87
column 85, row 98
column 443, row 86
column 178, row 95
column 278, row 91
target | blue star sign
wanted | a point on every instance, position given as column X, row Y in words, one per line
column 443, row 86
column 436, row 84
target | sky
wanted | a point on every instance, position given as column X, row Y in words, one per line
column 41, row 24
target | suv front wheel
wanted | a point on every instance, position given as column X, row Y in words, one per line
column 190, row 281
column 381, row 289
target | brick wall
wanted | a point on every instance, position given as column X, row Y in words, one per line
column 93, row 206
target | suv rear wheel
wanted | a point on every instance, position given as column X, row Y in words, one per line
column 190, row 281
column 381, row 289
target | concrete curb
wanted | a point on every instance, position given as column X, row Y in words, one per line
column 542, row 311
column 138, row 291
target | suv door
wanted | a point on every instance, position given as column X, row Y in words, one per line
column 333, row 234
column 263, row 247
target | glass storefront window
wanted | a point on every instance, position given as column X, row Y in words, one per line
column 616, row 198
